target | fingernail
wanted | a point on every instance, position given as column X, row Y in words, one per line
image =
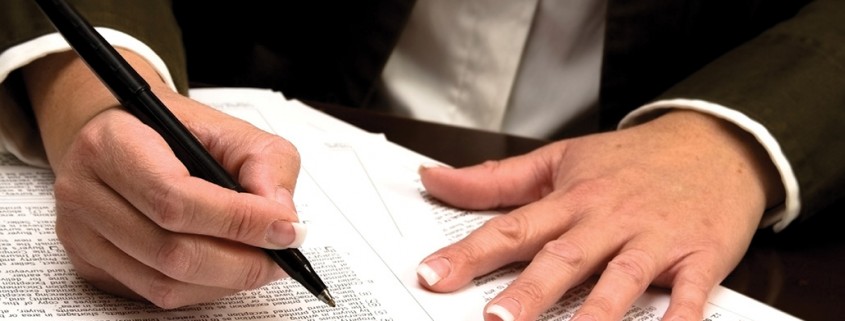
column 432, row 165
column 432, row 271
column 301, row 230
column 506, row 309
column 286, row 234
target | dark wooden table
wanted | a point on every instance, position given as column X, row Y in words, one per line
column 800, row 270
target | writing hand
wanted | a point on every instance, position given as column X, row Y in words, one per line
column 672, row 202
column 132, row 219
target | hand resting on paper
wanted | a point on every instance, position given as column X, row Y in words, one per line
column 672, row 202
column 131, row 218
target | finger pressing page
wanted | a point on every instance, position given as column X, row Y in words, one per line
column 191, row 258
column 507, row 238
column 102, row 280
column 691, row 287
column 75, row 238
column 112, row 270
column 561, row 265
column 624, row 279
column 150, row 284
column 493, row 184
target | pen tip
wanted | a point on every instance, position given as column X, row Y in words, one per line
column 326, row 297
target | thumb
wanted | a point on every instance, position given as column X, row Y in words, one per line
column 493, row 184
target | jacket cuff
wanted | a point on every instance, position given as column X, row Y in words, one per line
column 19, row 135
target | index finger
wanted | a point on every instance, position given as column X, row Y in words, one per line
column 192, row 205
column 559, row 266
column 148, row 175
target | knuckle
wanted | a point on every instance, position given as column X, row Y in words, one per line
column 238, row 226
column 177, row 259
column 529, row 292
column 65, row 235
column 512, row 227
column 64, row 189
column 463, row 252
column 694, row 279
column 70, row 202
column 635, row 265
column 287, row 148
column 277, row 145
column 568, row 254
column 601, row 304
column 168, row 210
column 686, row 307
column 68, row 227
column 162, row 292
column 254, row 276
column 88, row 140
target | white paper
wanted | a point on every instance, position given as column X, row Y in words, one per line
column 370, row 223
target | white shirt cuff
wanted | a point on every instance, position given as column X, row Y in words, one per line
column 15, row 136
column 778, row 217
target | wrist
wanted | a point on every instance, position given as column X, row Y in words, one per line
column 742, row 155
column 65, row 95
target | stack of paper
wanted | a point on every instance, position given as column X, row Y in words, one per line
column 370, row 223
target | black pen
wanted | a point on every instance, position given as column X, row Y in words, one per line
column 135, row 95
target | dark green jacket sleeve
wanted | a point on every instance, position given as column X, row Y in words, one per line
column 791, row 79
column 150, row 21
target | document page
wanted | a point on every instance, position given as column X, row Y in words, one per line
column 370, row 223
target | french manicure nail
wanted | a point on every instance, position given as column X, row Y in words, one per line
column 286, row 234
column 426, row 166
column 432, row 271
column 506, row 309
column 432, row 165
column 300, row 230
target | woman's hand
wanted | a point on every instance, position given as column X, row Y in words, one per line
column 672, row 202
column 132, row 219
